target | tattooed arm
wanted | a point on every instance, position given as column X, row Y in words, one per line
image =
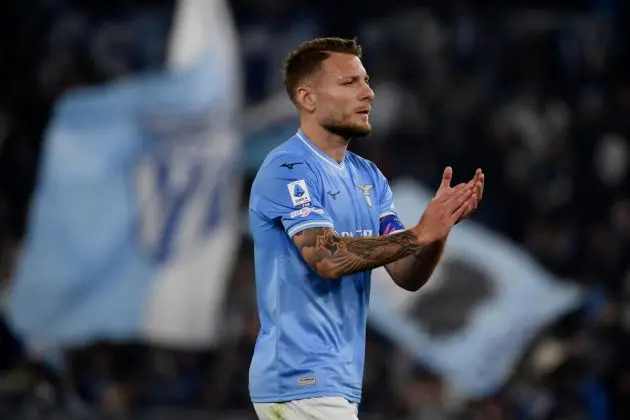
column 414, row 271
column 333, row 256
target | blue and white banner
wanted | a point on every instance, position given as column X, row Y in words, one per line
column 134, row 223
column 484, row 304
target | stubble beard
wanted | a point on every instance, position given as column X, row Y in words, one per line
column 348, row 130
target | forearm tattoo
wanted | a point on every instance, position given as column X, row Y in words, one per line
column 335, row 256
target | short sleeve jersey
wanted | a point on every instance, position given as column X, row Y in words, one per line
column 312, row 337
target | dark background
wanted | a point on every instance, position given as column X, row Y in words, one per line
column 536, row 95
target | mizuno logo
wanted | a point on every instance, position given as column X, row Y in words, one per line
column 290, row 165
column 333, row 195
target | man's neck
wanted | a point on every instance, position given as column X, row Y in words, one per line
column 333, row 145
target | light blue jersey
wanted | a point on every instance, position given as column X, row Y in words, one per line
column 312, row 337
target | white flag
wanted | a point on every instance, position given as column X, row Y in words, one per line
column 134, row 224
column 485, row 302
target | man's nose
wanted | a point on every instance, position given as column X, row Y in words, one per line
column 368, row 94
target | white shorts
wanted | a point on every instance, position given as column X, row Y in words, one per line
column 323, row 408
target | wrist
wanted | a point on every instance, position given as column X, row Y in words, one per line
column 424, row 237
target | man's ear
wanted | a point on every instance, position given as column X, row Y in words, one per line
column 305, row 97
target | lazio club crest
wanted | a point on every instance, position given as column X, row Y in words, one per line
column 365, row 189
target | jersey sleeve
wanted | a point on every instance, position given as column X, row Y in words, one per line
column 289, row 191
column 389, row 222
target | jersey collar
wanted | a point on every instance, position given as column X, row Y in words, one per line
column 321, row 155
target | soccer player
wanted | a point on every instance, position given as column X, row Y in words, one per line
column 322, row 218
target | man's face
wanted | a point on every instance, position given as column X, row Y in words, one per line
column 343, row 96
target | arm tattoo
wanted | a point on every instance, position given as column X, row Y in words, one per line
column 333, row 256
column 413, row 272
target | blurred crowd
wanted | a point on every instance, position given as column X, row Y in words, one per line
column 538, row 98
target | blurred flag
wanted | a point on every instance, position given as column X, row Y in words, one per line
column 134, row 223
column 485, row 302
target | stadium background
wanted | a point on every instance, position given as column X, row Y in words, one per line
column 536, row 95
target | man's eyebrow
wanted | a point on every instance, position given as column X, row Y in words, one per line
column 355, row 78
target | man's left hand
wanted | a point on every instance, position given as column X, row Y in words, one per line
column 477, row 182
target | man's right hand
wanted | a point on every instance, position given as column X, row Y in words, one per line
column 442, row 213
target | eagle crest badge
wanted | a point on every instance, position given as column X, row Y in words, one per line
column 365, row 189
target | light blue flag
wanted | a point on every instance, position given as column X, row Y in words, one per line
column 134, row 222
column 484, row 304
